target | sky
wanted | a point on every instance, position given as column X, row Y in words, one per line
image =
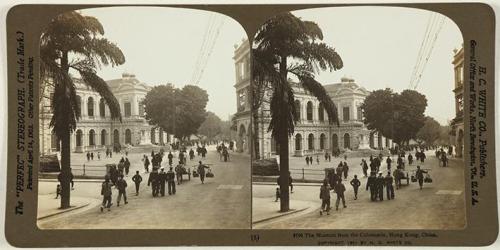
column 162, row 45
column 379, row 48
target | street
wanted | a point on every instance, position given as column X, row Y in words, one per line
column 223, row 202
column 439, row 205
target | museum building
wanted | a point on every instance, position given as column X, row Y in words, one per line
column 95, row 130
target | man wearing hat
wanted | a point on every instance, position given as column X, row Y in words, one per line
column 388, row 186
column 121, row 185
column 153, row 181
column 162, row 176
column 380, row 186
column 106, row 193
column 170, row 177
column 371, row 183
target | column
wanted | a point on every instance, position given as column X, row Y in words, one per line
column 354, row 111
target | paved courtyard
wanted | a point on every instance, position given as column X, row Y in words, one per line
column 223, row 202
column 439, row 205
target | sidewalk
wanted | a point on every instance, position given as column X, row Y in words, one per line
column 266, row 209
column 48, row 206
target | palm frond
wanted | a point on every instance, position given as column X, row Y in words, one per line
column 319, row 92
column 100, row 86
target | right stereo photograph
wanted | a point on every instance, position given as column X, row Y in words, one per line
column 357, row 120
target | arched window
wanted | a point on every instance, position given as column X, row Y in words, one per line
column 321, row 112
column 347, row 141
column 309, row 111
column 102, row 108
column 103, row 137
column 298, row 142
column 79, row 135
column 91, row 137
column 297, row 108
column 128, row 137
column 322, row 138
column 90, row 106
column 310, row 142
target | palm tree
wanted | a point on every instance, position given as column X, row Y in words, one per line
column 74, row 42
column 286, row 44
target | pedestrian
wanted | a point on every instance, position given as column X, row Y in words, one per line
column 127, row 166
column 444, row 159
column 364, row 166
column 355, row 183
column 106, row 194
column 58, row 190
column 154, row 182
column 110, row 154
column 88, row 156
column 324, row 195
column 311, row 160
column 420, row 176
column 121, row 185
column 171, row 181
column 179, row 170
column 201, row 171
column 162, row 176
column 410, row 159
column 317, row 159
column 388, row 161
column 422, row 156
column 277, row 194
column 340, row 169
column 307, row 160
column 71, row 177
column 92, row 156
column 191, row 154
column 98, row 155
column 326, row 156
column 345, row 170
column 170, row 156
column 152, row 154
column 371, row 184
column 388, row 186
column 329, row 158
column 290, row 181
column 146, row 164
column 340, row 189
column 137, row 179
column 380, row 186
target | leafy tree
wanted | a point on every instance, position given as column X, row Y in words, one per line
column 287, row 45
column 396, row 116
column 211, row 127
column 430, row 132
column 74, row 42
column 177, row 111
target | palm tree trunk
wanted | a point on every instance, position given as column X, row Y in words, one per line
column 283, row 142
column 65, row 170
column 65, row 150
column 255, row 135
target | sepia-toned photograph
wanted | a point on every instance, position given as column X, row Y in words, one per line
column 358, row 120
column 139, row 120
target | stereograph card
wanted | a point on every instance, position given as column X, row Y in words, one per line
column 256, row 125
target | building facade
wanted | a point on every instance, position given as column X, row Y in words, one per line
column 457, row 124
column 313, row 134
column 95, row 129
column 242, row 117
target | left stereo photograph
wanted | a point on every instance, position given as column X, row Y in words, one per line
column 138, row 120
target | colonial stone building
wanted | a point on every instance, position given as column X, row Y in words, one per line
column 313, row 134
column 243, row 101
column 95, row 129
column 457, row 124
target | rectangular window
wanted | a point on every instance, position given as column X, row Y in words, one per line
column 128, row 109
column 345, row 113
column 141, row 108
column 360, row 114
